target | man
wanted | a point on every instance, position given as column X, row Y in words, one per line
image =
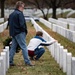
column 35, row 46
column 18, row 31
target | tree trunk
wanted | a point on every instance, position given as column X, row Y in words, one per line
column 44, row 15
column 54, row 12
column 2, row 8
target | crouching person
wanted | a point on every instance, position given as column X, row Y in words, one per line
column 35, row 46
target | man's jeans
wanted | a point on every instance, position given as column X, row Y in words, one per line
column 39, row 52
column 19, row 39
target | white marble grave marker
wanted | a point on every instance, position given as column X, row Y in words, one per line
column 61, row 56
column 58, row 54
column 2, row 69
column 3, row 54
column 7, row 47
column 69, row 58
column 73, row 65
column 64, row 60
column 5, row 50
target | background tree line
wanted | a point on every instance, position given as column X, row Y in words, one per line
column 40, row 4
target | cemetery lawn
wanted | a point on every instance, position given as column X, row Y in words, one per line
column 70, row 46
column 45, row 66
column 63, row 15
column 73, row 15
column 3, row 36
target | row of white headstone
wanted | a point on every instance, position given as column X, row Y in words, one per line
column 4, row 61
column 58, row 11
column 63, row 58
column 58, row 22
column 1, row 20
column 65, row 23
column 68, row 20
column 70, row 23
column 3, row 26
column 26, row 12
column 61, row 55
column 62, row 31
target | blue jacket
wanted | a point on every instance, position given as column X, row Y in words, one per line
column 38, row 42
column 17, row 23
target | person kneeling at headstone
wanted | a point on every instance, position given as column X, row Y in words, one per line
column 35, row 46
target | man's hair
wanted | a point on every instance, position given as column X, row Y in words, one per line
column 19, row 3
column 39, row 33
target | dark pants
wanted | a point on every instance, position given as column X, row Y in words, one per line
column 39, row 52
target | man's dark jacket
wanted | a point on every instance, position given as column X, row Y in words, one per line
column 17, row 23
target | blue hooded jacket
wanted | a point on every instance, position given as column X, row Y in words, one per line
column 17, row 23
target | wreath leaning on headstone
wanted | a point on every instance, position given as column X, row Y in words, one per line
column 8, row 42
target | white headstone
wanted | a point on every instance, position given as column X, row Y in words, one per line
column 61, row 56
column 5, row 50
column 3, row 54
column 64, row 60
column 73, row 65
column 56, row 51
column 69, row 58
column 58, row 54
column 53, row 47
column 7, row 47
column 1, row 28
column 73, row 36
column 2, row 66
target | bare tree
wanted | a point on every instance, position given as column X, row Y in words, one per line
column 54, row 4
column 2, row 7
column 40, row 4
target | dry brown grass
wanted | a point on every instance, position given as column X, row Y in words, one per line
column 45, row 66
column 31, row 32
column 3, row 36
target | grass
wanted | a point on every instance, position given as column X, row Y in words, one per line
column 64, row 41
column 3, row 22
column 63, row 15
column 72, row 16
column 45, row 66
column 3, row 36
